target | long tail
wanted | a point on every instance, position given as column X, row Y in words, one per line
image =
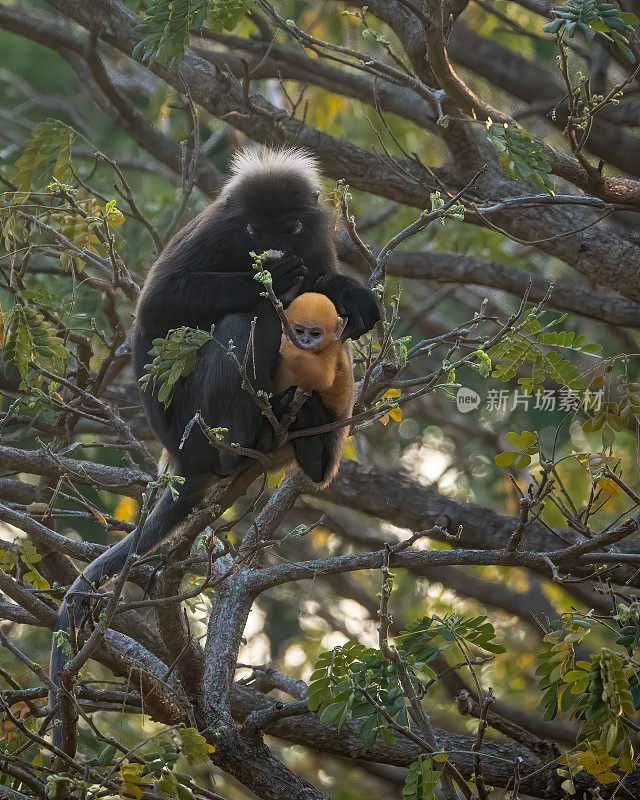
column 167, row 514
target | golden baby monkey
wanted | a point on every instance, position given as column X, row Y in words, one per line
column 319, row 362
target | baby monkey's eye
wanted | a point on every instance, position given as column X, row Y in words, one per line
column 299, row 330
column 316, row 333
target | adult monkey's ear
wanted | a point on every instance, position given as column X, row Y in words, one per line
column 341, row 324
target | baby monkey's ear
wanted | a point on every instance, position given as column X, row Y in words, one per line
column 341, row 324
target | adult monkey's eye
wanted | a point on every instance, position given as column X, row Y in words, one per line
column 297, row 227
column 250, row 229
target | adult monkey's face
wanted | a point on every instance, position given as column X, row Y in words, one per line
column 279, row 214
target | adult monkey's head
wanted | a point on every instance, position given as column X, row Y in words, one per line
column 272, row 201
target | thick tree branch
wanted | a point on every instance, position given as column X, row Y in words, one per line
column 587, row 251
column 469, row 269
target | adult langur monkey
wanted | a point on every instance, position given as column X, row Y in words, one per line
column 204, row 276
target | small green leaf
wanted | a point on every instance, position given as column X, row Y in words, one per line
column 506, row 459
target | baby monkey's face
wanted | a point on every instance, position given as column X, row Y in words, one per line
column 311, row 338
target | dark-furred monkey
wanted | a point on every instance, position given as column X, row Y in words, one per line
column 205, row 276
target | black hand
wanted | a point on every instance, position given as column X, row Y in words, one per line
column 361, row 309
column 287, row 273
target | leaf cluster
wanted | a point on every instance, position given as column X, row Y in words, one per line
column 30, row 339
column 344, row 682
column 614, row 415
column 525, row 445
column 589, row 17
column 29, row 556
column 361, row 682
column 456, row 211
column 531, row 343
column 428, row 637
column 168, row 25
column 174, row 357
column 520, row 155
column 158, row 765
column 46, row 154
column 599, row 693
column 422, row 779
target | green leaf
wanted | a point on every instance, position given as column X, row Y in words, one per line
column 506, row 459
column 629, row 18
column 522, row 440
column 107, row 756
column 226, row 14
column 369, row 732
column 553, row 26
column 334, row 713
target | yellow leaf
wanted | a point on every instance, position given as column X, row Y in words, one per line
column 394, row 413
column 275, row 479
column 126, row 510
column 350, row 450
column 131, row 778
column 320, row 537
column 609, row 486
column 334, row 104
column 100, row 352
column 112, row 215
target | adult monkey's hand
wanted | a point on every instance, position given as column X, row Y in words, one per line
column 359, row 306
column 287, row 273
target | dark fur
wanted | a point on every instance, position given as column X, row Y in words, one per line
column 185, row 287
